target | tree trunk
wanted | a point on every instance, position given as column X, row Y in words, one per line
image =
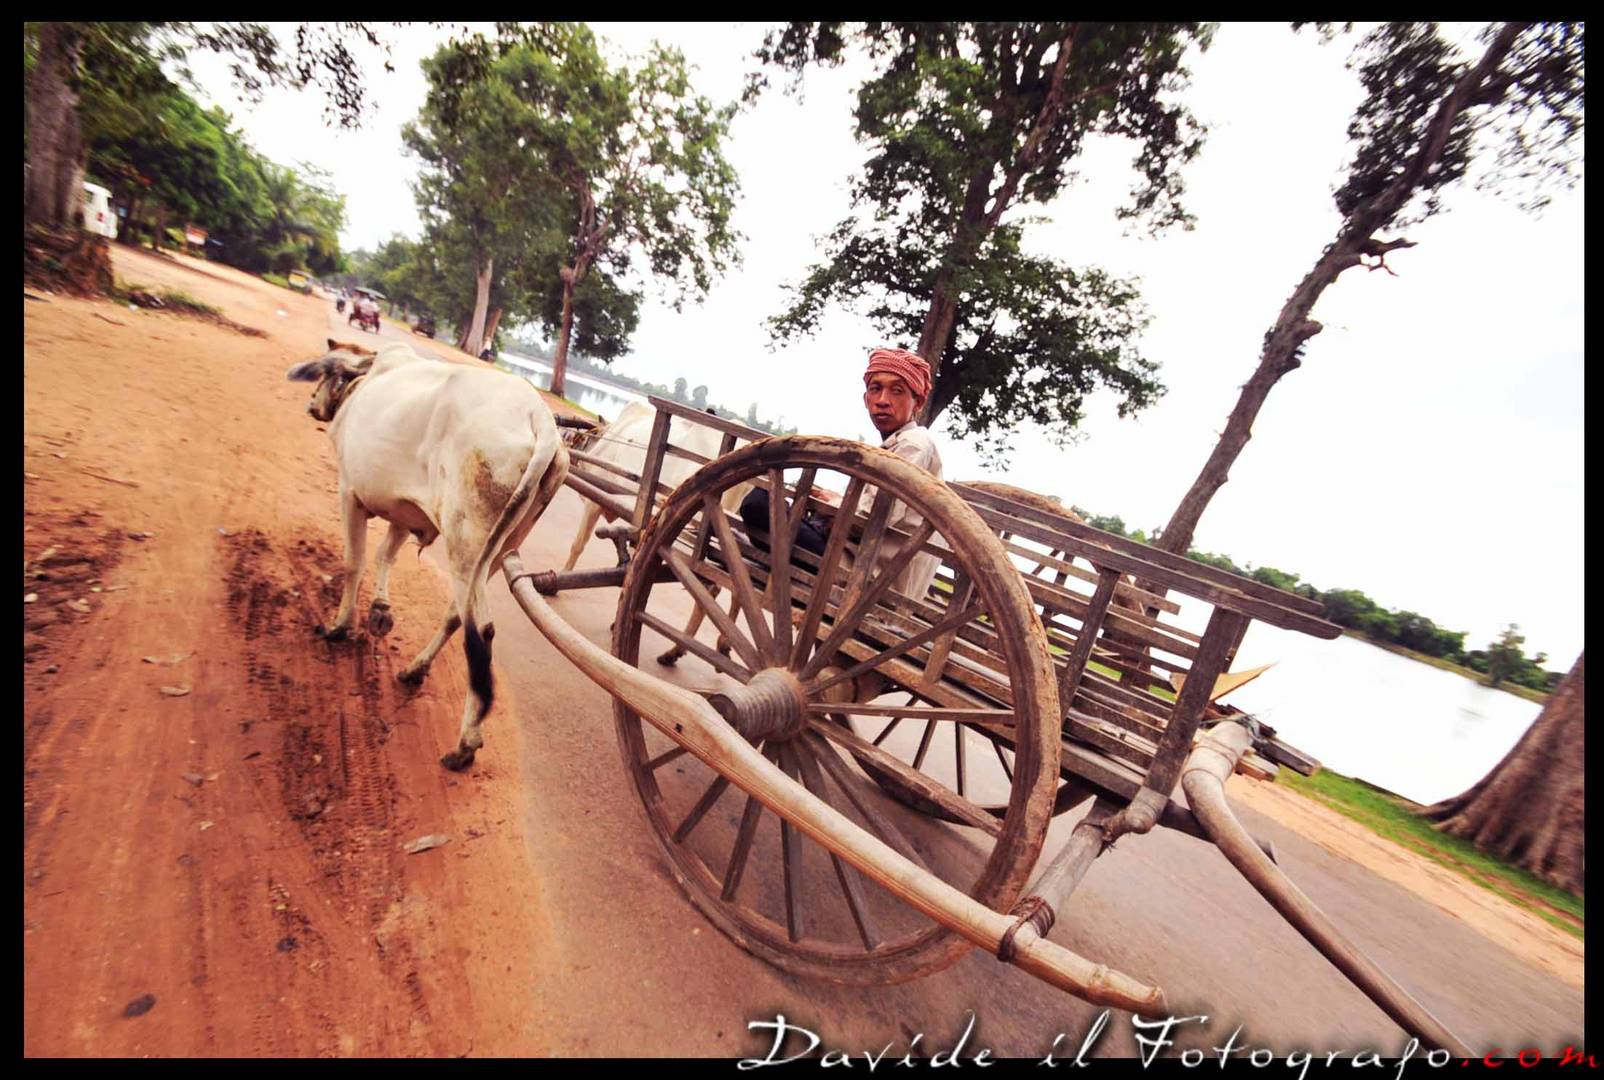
column 481, row 302
column 1294, row 327
column 490, row 326
column 161, row 226
column 1529, row 810
column 464, row 324
column 559, row 360
column 54, row 177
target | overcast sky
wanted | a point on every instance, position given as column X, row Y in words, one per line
column 1428, row 451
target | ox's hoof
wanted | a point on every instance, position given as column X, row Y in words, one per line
column 413, row 678
column 380, row 621
column 458, row 759
column 338, row 633
column 671, row 657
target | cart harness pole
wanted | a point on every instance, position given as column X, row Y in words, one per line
column 1203, row 780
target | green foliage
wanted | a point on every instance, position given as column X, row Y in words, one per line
column 964, row 121
column 163, row 156
column 1525, row 121
column 1506, row 660
column 541, row 156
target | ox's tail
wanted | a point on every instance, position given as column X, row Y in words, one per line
column 545, row 473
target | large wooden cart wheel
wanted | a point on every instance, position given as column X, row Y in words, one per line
column 803, row 644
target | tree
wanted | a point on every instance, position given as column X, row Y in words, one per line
column 66, row 54
column 967, row 122
column 1504, row 656
column 1426, row 116
column 640, row 159
column 1530, row 809
column 479, row 187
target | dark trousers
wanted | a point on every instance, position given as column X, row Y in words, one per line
column 812, row 535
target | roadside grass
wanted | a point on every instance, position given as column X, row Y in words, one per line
column 132, row 293
column 1397, row 820
column 276, row 279
column 1526, row 692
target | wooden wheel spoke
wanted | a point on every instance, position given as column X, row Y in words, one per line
column 710, row 605
column 664, row 758
column 691, row 645
column 924, row 743
column 981, row 717
column 779, row 589
column 904, row 646
column 824, row 580
column 699, row 811
column 743, row 840
column 958, row 754
column 1007, row 770
column 851, row 882
column 960, row 808
column 799, row 507
column 739, row 577
column 880, row 738
column 848, row 621
column 865, row 799
column 791, row 860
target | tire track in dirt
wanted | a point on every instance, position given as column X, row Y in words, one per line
column 333, row 776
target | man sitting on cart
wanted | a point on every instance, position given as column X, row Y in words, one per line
column 896, row 385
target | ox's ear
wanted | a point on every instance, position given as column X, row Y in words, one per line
column 312, row 370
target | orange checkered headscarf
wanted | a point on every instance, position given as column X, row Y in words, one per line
column 909, row 367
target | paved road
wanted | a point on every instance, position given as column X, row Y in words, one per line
column 638, row 970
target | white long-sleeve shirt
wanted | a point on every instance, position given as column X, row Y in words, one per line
column 913, row 443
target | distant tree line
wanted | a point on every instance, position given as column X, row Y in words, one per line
column 169, row 162
column 1501, row 661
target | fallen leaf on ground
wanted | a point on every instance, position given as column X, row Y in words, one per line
column 194, row 778
column 424, row 843
column 140, row 1005
column 80, row 606
column 115, row 588
column 175, row 691
column 45, row 554
column 30, row 598
column 205, row 825
column 168, row 661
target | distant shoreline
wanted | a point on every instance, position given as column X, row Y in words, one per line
column 1535, row 696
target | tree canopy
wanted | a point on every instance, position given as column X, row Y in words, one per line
column 559, row 169
column 1431, row 116
column 965, row 122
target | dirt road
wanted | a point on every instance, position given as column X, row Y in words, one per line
column 213, row 838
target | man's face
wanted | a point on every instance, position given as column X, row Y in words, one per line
column 889, row 401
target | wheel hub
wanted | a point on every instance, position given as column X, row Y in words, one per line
column 772, row 706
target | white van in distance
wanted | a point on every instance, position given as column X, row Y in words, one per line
column 98, row 217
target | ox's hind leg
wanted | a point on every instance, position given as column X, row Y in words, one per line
column 480, row 686
column 380, row 621
column 673, row 655
column 587, row 525
column 355, row 519
column 415, row 671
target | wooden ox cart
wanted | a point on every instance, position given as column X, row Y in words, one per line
column 923, row 743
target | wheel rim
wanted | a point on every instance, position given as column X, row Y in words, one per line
column 776, row 893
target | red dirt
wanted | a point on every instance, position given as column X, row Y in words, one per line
column 268, row 908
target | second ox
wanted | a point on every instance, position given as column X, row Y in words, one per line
column 438, row 450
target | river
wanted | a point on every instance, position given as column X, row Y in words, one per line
column 1402, row 725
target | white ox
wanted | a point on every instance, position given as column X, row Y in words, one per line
column 436, row 449
column 623, row 443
